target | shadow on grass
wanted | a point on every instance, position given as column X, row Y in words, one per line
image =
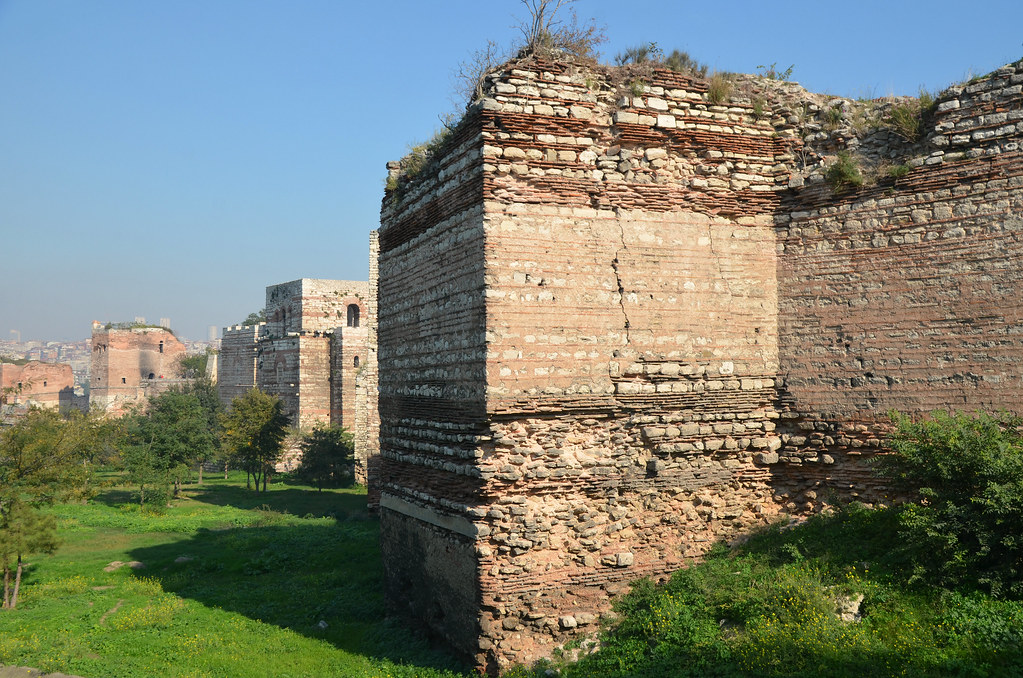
column 295, row 577
column 296, row 501
column 115, row 497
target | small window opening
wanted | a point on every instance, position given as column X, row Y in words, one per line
column 353, row 315
column 356, row 361
column 44, row 382
column 19, row 384
column 152, row 376
column 123, row 380
column 161, row 350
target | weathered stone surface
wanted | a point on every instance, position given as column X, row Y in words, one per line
column 637, row 339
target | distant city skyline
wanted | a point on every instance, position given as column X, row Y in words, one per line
column 172, row 160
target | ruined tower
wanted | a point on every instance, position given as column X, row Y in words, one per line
column 131, row 363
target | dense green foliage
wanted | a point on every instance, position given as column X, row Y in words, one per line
column 205, row 391
column 162, row 443
column 966, row 474
column 233, row 583
column 193, row 365
column 328, row 455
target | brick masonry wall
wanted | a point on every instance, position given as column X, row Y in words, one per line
column 685, row 332
column 236, row 373
column 47, row 385
column 431, row 341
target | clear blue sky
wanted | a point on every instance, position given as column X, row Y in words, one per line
column 172, row 158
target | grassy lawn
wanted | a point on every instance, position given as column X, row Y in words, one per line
column 232, row 583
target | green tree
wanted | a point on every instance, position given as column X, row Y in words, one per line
column 255, row 318
column 164, row 441
column 206, row 392
column 23, row 530
column 328, row 455
column 253, row 430
column 43, row 459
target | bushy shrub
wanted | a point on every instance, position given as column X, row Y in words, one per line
column 966, row 473
column 328, row 455
column 719, row 88
column 844, row 173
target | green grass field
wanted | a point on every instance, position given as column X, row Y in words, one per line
column 234, row 583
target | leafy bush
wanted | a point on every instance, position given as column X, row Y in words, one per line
column 967, row 475
column 898, row 171
column 844, row 173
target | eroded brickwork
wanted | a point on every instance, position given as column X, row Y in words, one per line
column 619, row 322
column 48, row 385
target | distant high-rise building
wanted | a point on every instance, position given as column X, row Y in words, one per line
column 165, row 322
column 211, row 334
column 140, row 320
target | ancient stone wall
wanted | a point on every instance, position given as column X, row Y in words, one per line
column 49, row 385
column 236, row 372
column 131, row 364
column 620, row 321
column 431, row 342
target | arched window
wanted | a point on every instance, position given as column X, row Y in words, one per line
column 356, row 361
column 152, row 376
column 353, row 315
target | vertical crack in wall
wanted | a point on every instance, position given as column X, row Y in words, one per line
column 618, row 279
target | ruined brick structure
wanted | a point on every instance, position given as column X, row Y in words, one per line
column 236, row 368
column 307, row 353
column 47, row 385
column 131, row 364
column 618, row 322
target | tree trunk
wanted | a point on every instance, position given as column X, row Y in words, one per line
column 200, row 473
column 265, row 474
column 225, row 469
column 7, row 586
column 17, row 585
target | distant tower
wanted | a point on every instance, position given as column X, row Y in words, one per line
column 140, row 320
column 211, row 334
column 165, row 322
